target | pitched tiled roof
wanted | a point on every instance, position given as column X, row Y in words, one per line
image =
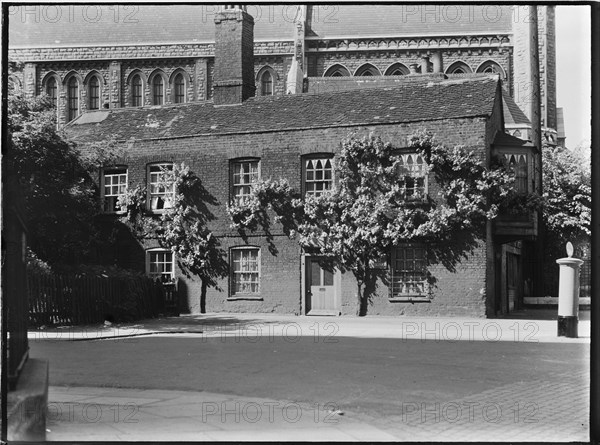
column 512, row 113
column 411, row 102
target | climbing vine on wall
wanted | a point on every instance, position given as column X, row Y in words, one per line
column 367, row 212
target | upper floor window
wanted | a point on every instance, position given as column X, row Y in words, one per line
column 266, row 84
column 73, row 98
column 52, row 90
column 160, row 188
column 244, row 174
column 160, row 265
column 94, row 93
column 517, row 165
column 408, row 271
column 114, row 185
column 245, row 268
column 318, row 176
column 137, row 91
column 179, row 89
column 412, row 176
column 158, row 90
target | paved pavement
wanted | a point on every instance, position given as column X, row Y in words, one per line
column 421, row 328
column 539, row 407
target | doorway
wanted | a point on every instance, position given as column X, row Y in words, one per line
column 321, row 288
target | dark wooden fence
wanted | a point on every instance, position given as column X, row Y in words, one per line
column 84, row 299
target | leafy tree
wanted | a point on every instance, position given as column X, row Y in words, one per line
column 368, row 211
column 567, row 194
column 182, row 227
column 567, row 209
column 59, row 195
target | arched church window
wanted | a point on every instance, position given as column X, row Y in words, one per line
column 179, row 89
column 336, row 70
column 52, row 90
column 94, row 93
column 459, row 68
column 136, row 91
column 266, row 84
column 397, row 69
column 490, row 67
column 73, row 98
column 367, row 70
column 158, row 90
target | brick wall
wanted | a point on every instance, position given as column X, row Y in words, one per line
column 455, row 292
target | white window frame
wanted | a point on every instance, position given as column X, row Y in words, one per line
column 160, row 274
column 409, row 289
column 238, row 187
column 305, row 173
column 235, row 273
column 153, row 181
column 412, row 168
column 122, row 175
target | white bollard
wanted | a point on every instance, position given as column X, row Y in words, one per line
column 568, row 294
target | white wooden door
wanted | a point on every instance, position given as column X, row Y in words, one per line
column 320, row 289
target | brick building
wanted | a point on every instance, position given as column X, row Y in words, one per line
column 298, row 136
column 91, row 57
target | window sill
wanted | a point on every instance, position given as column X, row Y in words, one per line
column 409, row 299
column 245, row 297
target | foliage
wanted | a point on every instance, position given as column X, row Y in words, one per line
column 368, row 212
column 58, row 193
column 567, row 193
column 182, row 227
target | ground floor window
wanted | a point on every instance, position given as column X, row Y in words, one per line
column 245, row 269
column 159, row 265
column 408, row 270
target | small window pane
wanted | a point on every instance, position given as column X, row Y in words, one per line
column 315, row 273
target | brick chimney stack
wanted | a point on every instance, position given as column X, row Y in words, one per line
column 234, row 56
